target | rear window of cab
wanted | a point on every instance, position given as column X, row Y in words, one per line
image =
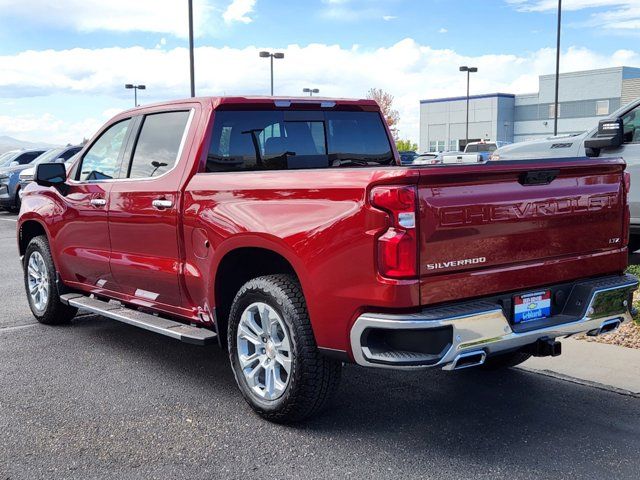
column 281, row 140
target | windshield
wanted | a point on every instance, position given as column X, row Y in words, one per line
column 5, row 158
column 280, row 140
column 48, row 156
column 481, row 147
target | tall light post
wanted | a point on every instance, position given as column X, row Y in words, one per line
column 191, row 60
column 271, row 56
column 135, row 88
column 469, row 71
column 555, row 109
column 311, row 91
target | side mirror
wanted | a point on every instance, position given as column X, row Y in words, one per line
column 14, row 164
column 610, row 135
column 50, row 174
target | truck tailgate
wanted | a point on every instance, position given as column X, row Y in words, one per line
column 513, row 225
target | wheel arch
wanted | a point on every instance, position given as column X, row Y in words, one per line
column 239, row 265
column 28, row 230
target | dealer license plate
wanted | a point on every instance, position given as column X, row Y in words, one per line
column 531, row 306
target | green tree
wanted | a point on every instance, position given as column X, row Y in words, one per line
column 406, row 146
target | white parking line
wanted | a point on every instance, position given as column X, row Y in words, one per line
column 16, row 327
column 9, row 219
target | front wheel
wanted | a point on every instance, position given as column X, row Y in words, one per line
column 40, row 284
column 18, row 203
column 273, row 352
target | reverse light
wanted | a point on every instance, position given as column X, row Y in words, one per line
column 397, row 247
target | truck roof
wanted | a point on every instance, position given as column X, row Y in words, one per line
column 275, row 102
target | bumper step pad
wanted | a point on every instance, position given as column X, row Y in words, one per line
column 163, row 326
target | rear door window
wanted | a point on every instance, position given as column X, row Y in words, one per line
column 158, row 145
column 280, row 140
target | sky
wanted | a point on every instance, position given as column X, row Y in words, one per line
column 64, row 63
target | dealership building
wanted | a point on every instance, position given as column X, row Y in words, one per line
column 584, row 98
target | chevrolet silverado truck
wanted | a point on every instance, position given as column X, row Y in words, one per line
column 288, row 232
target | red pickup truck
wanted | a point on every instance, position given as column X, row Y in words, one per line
column 287, row 231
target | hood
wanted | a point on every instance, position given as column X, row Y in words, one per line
column 14, row 169
column 541, row 147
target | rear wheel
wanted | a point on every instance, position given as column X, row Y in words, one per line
column 505, row 360
column 40, row 284
column 273, row 353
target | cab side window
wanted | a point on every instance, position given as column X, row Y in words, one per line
column 631, row 125
column 158, row 145
column 101, row 162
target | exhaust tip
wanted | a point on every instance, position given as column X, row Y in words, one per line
column 468, row 359
column 606, row 327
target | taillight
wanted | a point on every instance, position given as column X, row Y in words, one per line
column 397, row 247
column 627, row 213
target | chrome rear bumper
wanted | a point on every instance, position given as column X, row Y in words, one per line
column 482, row 329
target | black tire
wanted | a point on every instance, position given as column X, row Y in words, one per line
column 18, row 203
column 505, row 360
column 313, row 378
column 634, row 243
column 54, row 312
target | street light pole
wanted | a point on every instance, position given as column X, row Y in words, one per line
column 135, row 88
column 469, row 71
column 271, row 56
column 555, row 109
column 191, row 59
column 311, row 91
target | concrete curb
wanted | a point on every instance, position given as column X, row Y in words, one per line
column 597, row 365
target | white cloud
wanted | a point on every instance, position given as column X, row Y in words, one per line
column 47, row 128
column 168, row 17
column 417, row 72
column 622, row 16
column 356, row 10
column 238, row 11
column 443, row 30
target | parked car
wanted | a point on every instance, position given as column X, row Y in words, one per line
column 287, row 231
column 14, row 164
column 483, row 148
column 447, row 158
column 426, row 159
column 407, row 157
column 60, row 155
column 7, row 157
column 615, row 136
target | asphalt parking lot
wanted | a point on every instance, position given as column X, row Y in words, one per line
column 99, row 399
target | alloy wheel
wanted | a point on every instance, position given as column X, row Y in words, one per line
column 38, row 279
column 264, row 351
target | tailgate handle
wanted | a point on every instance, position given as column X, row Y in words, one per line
column 538, row 177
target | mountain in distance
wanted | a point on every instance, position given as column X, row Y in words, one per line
column 9, row 143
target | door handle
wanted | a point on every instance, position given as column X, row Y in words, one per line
column 98, row 202
column 162, row 204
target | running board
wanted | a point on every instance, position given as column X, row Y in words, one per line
column 115, row 311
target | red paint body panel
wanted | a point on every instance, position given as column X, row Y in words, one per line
column 322, row 223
